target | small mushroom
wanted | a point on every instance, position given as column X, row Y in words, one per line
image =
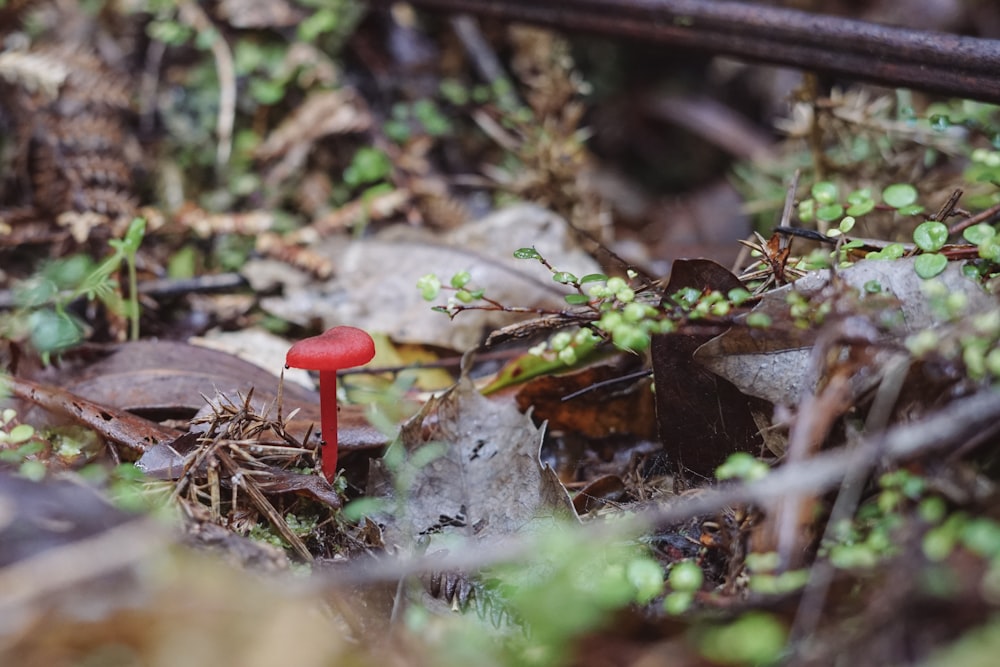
column 332, row 350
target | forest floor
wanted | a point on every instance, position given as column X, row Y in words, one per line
column 677, row 358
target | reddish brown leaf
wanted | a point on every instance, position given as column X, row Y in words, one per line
column 118, row 426
column 613, row 409
column 598, row 493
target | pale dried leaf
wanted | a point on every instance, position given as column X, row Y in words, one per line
column 486, row 483
column 774, row 363
column 385, row 271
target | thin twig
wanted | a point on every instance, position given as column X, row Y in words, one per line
column 193, row 15
column 982, row 216
column 946, row 429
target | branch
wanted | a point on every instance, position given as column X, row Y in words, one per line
column 896, row 57
column 961, row 421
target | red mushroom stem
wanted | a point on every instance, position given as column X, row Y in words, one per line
column 328, row 422
column 336, row 348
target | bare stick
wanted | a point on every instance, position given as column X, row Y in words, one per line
column 859, row 50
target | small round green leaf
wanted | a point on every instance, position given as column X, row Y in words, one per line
column 460, row 279
column 930, row 264
column 564, row 277
column 807, row 210
column 859, row 196
column 990, row 249
column 576, row 299
column 977, row 234
column 429, row 286
column 686, row 576
column 21, row 433
column 930, row 236
column 646, row 576
column 861, row 208
column 825, row 192
column 830, row 212
column 526, row 253
column 899, row 195
column 738, row 295
column 912, row 209
column 593, row 278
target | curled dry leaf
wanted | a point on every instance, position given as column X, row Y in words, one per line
column 323, row 113
column 773, row 363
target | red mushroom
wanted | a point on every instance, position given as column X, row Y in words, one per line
column 336, row 348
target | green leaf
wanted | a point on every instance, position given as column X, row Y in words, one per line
column 593, row 278
column 930, row 264
column 990, row 249
column 527, row 253
column 912, row 209
column 52, row 331
column 460, row 279
column 429, row 286
column 860, row 196
column 891, row 251
column 825, row 192
column 267, row 92
column 576, row 299
column 686, row 576
column 899, row 195
column 564, row 277
column 738, row 295
column 978, row 234
column 807, row 210
column 368, row 166
column 325, row 20
column 830, row 212
column 930, row 236
column 861, row 208
column 759, row 320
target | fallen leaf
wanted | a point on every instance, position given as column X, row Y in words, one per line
column 702, row 417
column 123, row 428
column 163, row 379
column 773, row 363
column 385, row 270
column 611, row 409
column 468, row 469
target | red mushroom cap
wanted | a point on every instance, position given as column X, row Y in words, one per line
column 336, row 348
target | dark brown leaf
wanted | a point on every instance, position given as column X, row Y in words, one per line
column 702, row 418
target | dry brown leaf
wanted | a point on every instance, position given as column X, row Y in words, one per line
column 323, row 113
